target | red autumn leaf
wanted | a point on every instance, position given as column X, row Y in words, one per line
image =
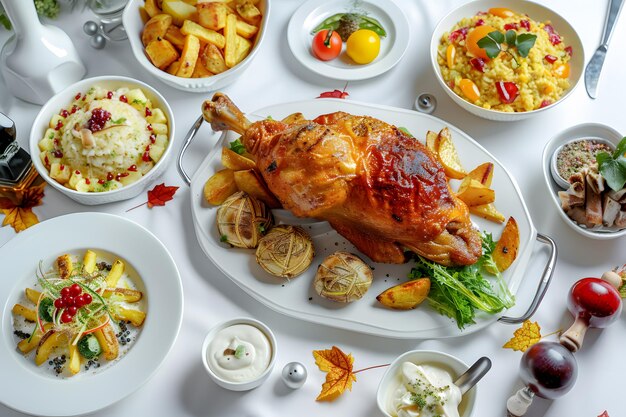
column 158, row 196
column 335, row 93
column 605, row 414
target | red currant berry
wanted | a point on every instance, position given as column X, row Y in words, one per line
column 59, row 303
column 72, row 310
column 66, row 317
column 87, row 298
column 69, row 301
column 75, row 289
column 65, row 291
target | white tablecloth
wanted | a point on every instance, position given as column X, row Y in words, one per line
column 182, row 388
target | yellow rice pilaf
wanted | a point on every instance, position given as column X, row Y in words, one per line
column 539, row 81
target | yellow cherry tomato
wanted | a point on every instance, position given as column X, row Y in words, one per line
column 476, row 34
column 469, row 89
column 450, row 55
column 363, row 46
column 562, row 70
column 501, row 12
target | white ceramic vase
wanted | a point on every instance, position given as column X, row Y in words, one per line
column 39, row 60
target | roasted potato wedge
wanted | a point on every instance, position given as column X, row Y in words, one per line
column 74, row 360
column 27, row 313
column 189, row 57
column 152, row 8
column 200, row 71
column 173, row 67
column 232, row 160
column 405, row 296
column 175, row 37
column 89, row 261
column 248, row 11
column 156, row 28
column 432, row 141
column 65, row 266
column 246, row 30
column 212, row 59
column 180, row 11
column 49, row 341
column 488, row 212
column 448, row 156
column 108, row 342
column 161, row 53
column 136, row 317
column 219, row 187
column 507, row 247
column 212, row 15
column 294, row 118
column 114, row 275
column 243, row 48
column 483, row 173
column 249, row 181
column 30, row 343
column 127, row 294
column 32, row 295
column 202, row 33
column 473, row 193
column 230, row 41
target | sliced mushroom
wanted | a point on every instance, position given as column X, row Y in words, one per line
column 611, row 210
column 87, row 138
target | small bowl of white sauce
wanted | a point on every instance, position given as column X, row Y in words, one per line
column 421, row 382
column 239, row 354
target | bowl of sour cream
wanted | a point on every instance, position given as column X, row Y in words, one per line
column 239, row 354
column 421, row 383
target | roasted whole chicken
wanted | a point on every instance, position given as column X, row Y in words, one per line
column 378, row 187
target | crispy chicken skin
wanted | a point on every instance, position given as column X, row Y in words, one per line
column 378, row 187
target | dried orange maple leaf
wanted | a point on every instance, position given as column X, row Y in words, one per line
column 524, row 337
column 339, row 376
column 18, row 209
column 158, row 196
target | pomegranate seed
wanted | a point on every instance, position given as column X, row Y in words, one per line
column 77, row 96
column 554, row 37
column 46, row 160
column 57, row 153
column 58, row 126
column 148, row 112
column 511, row 26
column 147, row 148
column 59, row 303
column 149, row 127
column 98, row 119
column 545, row 103
column 84, row 97
column 77, row 172
column 121, row 175
column 123, row 99
column 478, row 64
column 74, row 108
column 152, row 138
column 569, row 50
column 458, row 35
column 66, row 317
column 480, row 22
column 525, row 24
column 550, row 58
column 100, row 182
column 132, row 168
column 87, row 181
column 507, row 91
column 109, row 94
column 62, row 167
column 146, row 156
column 56, row 142
column 481, row 14
column 64, row 113
column 110, row 176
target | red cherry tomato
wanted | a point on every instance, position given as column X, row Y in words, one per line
column 326, row 46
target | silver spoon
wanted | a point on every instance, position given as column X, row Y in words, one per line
column 474, row 374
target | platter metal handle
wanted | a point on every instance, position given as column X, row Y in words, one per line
column 187, row 141
column 544, row 283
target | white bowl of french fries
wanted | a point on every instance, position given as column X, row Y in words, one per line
column 135, row 171
column 198, row 48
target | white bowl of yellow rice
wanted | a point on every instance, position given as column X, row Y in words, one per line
column 510, row 86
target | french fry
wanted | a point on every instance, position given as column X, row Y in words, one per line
column 203, row 34
column 488, row 212
column 189, row 56
column 212, row 59
column 212, row 15
column 405, row 296
column 230, row 41
column 89, row 261
column 156, row 28
column 483, row 173
column 232, row 160
column 136, row 317
column 473, row 193
column 219, row 187
column 249, row 181
column 507, row 247
column 161, row 53
column 246, row 30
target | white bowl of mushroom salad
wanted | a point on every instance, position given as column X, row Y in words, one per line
column 585, row 171
column 102, row 139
